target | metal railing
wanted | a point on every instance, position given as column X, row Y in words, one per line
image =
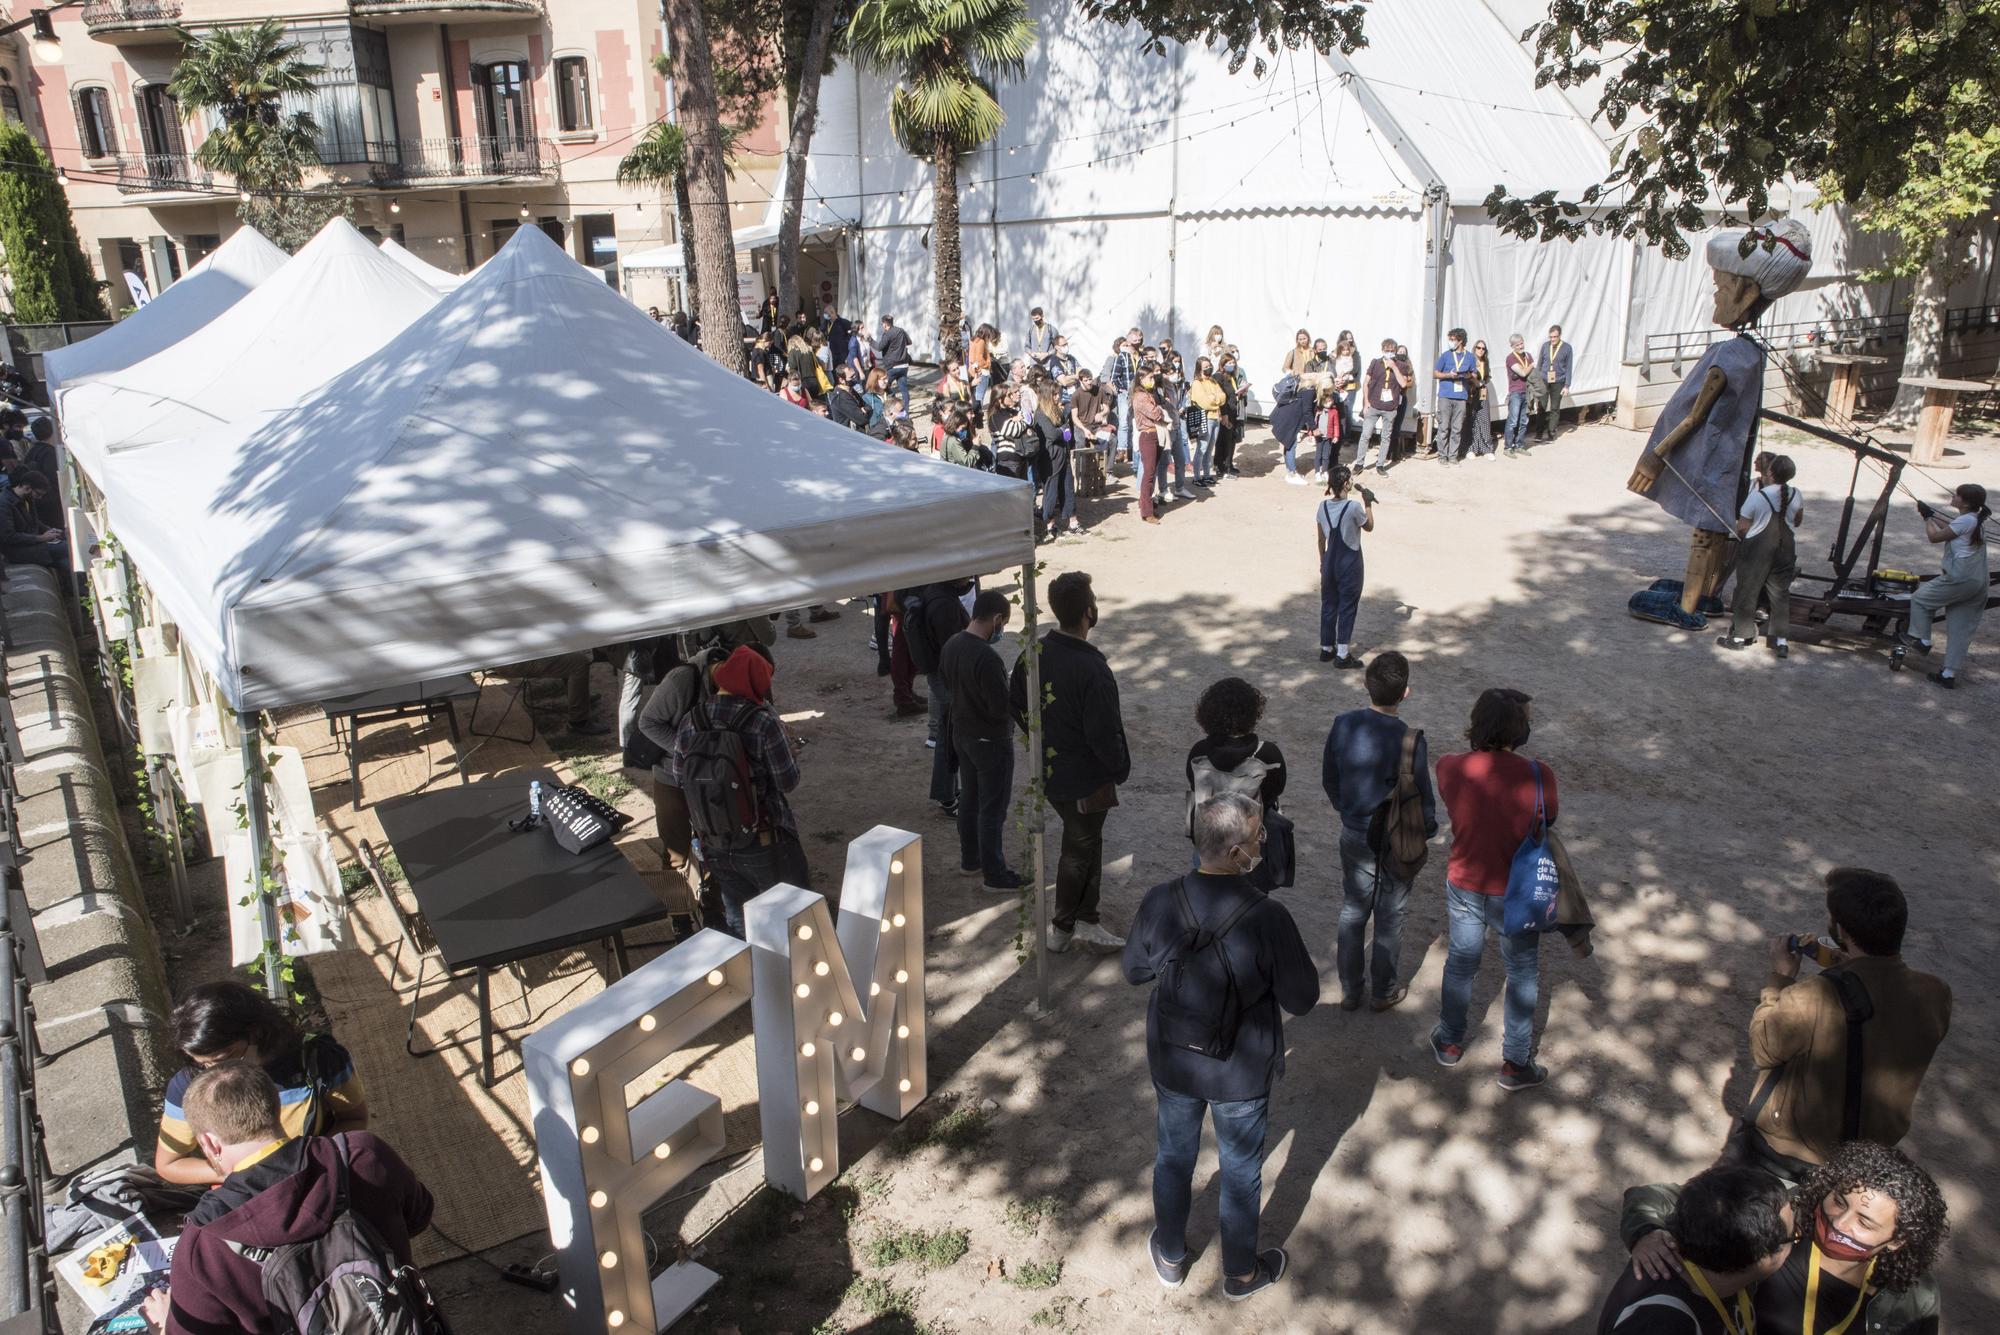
column 28, row 1304
column 1849, row 334
column 142, row 173
column 482, row 157
column 134, row 13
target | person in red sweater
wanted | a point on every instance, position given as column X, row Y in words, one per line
column 1491, row 794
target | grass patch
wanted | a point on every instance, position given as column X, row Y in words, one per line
column 878, row 1297
column 1056, row 1316
column 963, row 1128
column 852, row 1197
column 933, row 1251
column 356, row 884
column 1037, row 1275
column 1024, row 1218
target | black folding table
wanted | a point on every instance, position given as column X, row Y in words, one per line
column 426, row 698
column 493, row 897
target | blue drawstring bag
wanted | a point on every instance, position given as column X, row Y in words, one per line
column 1532, row 881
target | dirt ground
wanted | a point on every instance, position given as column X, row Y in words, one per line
column 1704, row 793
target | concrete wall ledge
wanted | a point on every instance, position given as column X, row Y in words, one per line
column 100, row 1018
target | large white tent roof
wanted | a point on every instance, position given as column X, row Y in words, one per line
column 337, row 301
column 210, row 288
column 534, row 467
column 441, row 279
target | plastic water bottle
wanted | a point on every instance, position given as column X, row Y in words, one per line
column 535, row 799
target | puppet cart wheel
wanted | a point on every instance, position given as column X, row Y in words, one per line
column 1896, row 657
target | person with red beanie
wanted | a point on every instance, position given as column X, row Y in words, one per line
column 749, row 837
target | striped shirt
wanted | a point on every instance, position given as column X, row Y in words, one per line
column 301, row 1114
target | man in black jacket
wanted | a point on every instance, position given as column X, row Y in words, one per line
column 1272, row 971
column 1084, row 755
column 24, row 540
column 843, row 402
column 942, row 608
column 892, row 349
column 982, row 735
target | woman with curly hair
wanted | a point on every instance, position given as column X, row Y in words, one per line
column 1231, row 758
column 1870, row 1224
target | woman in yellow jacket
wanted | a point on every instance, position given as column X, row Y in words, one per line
column 1207, row 394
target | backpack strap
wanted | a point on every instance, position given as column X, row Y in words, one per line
column 1860, row 1008
column 1541, row 810
column 1406, row 767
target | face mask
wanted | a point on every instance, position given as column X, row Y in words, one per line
column 1824, row 1239
column 1093, row 618
column 1255, row 860
column 994, row 638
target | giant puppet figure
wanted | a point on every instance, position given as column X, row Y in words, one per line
column 1697, row 462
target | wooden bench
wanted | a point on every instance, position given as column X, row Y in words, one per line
column 1845, row 387
column 1934, row 422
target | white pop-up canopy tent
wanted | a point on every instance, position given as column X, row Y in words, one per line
column 534, row 467
column 440, row 279
column 337, row 301
column 210, row 288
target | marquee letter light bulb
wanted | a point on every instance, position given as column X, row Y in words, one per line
column 581, row 1066
column 859, row 1054
column 614, row 1318
column 805, row 932
column 590, row 1135
column 803, row 991
column 896, row 867
column 822, row 968
column 885, row 928
column 648, row 1023
column 609, row 1260
column 812, row 1107
column 816, row 1163
column 715, row 978
column 598, row 1200
column 834, row 1018
column 902, row 1031
column 807, row 1049
column 899, row 920
column 902, row 975
column 662, row 1150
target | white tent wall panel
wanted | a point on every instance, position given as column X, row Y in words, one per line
column 1262, row 276
column 1496, row 285
column 1095, row 278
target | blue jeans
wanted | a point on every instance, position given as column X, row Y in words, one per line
column 1125, row 425
column 1324, row 450
column 1468, row 916
column 1204, row 448
column 986, row 783
column 899, row 381
column 746, row 873
column 1366, row 895
column 1239, row 1137
column 1517, row 419
column 1180, row 451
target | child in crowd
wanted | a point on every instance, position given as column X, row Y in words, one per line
column 1328, row 427
column 1342, row 521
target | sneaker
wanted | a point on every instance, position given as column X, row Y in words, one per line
column 1075, row 527
column 1351, row 1002
column 1172, row 1273
column 872, row 646
column 1348, row 661
column 1731, row 642
column 1270, row 1269
column 1514, row 1078
column 1058, row 939
column 1326, row 655
column 1945, row 679
column 1392, row 1000
column 1782, row 650
column 930, row 743
column 1912, row 643
column 823, row 614
column 1006, row 884
column 1184, row 493
column 1295, row 480
column 911, row 708
column 1382, row 470
column 950, row 809
column 1448, row 1054
column 589, row 728
column 1095, row 934
column 801, row 633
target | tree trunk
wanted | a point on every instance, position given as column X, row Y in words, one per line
column 1925, row 340
column 944, row 250
column 713, row 252
column 805, row 119
column 684, row 224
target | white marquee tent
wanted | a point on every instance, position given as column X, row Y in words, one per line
column 533, row 467
column 1335, row 192
column 210, row 288
column 337, row 301
column 441, row 279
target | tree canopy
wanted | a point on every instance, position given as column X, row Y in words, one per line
column 1249, row 32
column 51, row 278
column 1879, row 102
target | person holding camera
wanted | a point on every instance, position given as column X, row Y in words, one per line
column 1960, row 592
column 1342, row 521
column 1840, row 1055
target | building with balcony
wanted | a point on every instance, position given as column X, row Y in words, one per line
column 449, row 123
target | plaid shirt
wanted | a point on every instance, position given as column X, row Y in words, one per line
column 1118, row 372
column 772, row 766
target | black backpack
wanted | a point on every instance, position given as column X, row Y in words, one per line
column 1195, row 973
column 720, row 785
column 917, row 631
column 346, row 1281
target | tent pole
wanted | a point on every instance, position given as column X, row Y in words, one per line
column 260, row 843
column 1037, row 808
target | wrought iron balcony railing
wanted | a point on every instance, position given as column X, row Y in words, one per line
column 130, row 13
column 142, row 173
column 469, row 158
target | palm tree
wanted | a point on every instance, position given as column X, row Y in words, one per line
column 243, row 76
column 945, row 55
column 660, row 159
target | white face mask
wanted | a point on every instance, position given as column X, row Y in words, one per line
column 1256, row 859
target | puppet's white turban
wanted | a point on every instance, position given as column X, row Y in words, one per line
column 1780, row 253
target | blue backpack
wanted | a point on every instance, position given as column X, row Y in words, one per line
column 1532, row 881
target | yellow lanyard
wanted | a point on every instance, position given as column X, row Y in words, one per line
column 1746, row 1320
column 1812, row 1295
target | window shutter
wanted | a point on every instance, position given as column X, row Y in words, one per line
column 170, row 109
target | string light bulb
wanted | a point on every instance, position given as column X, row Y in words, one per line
column 598, row 1200
column 395, row 206
column 524, row 210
